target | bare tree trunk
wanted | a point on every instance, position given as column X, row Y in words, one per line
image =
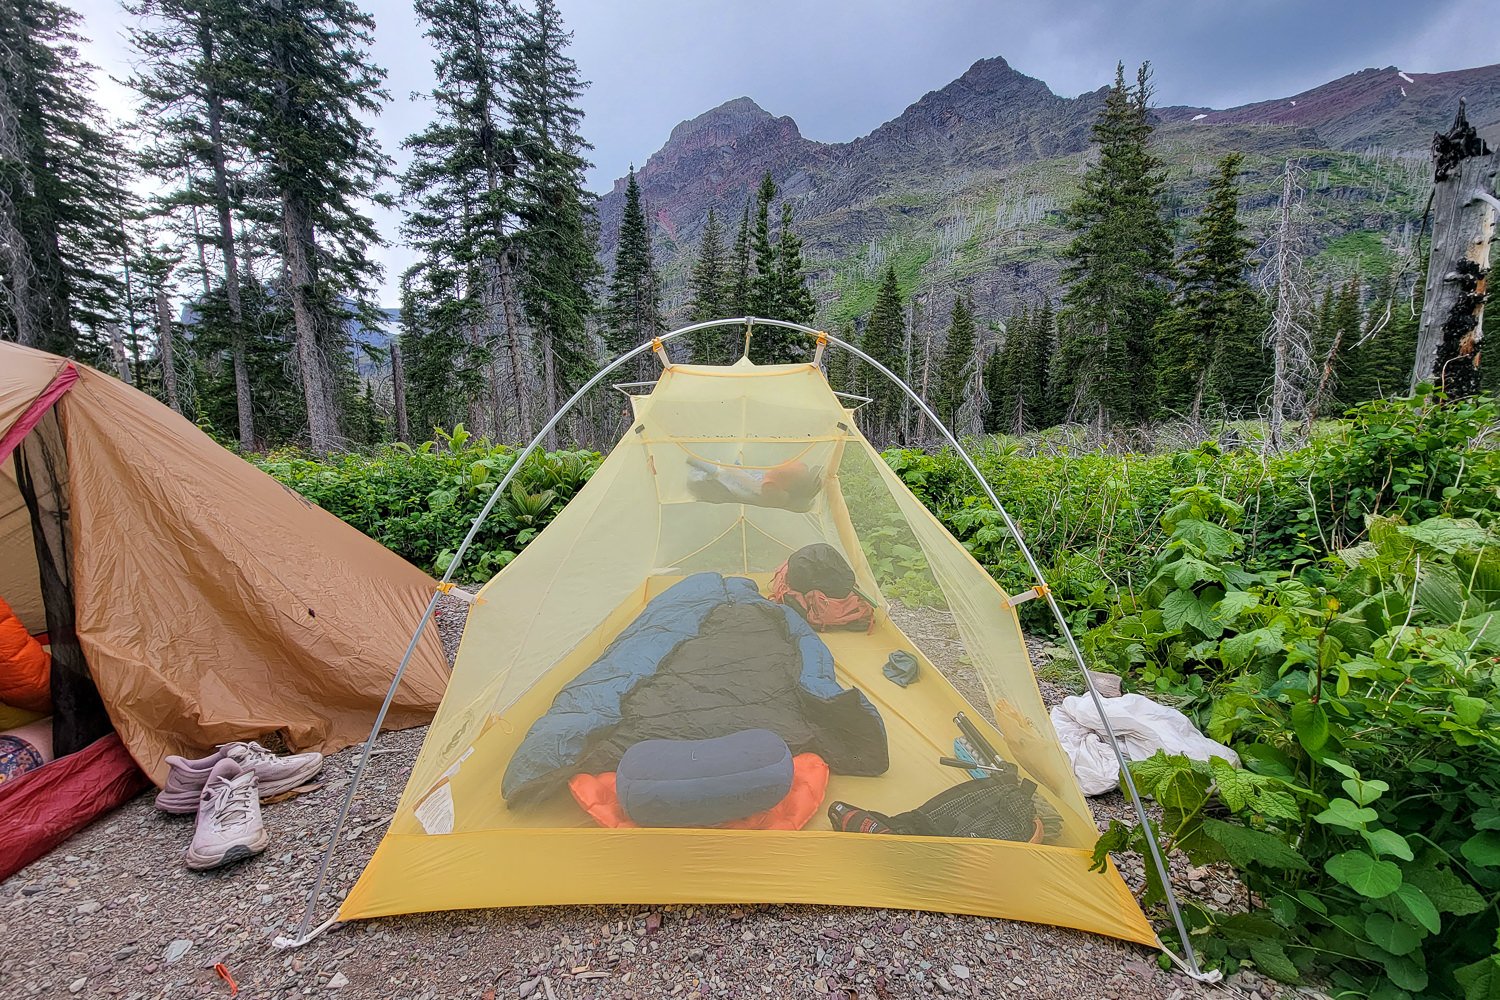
column 398, row 391
column 317, row 388
column 165, row 347
column 1463, row 225
column 549, row 372
column 243, row 403
column 117, row 346
column 520, row 364
column 1315, row 404
column 1287, row 337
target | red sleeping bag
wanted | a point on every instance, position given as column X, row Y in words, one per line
column 42, row 808
column 596, row 794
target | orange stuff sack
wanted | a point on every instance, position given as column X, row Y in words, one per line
column 596, row 794
column 25, row 667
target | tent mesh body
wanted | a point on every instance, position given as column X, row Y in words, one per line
column 675, row 499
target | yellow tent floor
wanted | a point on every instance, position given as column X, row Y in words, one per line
column 552, row 853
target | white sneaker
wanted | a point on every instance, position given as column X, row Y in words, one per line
column 229, row 827
column 185, row 778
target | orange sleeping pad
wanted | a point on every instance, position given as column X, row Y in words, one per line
column 25, row 667
column 596, row 794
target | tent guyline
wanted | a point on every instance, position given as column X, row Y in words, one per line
column 306, row 932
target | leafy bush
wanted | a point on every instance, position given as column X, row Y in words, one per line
column 1362, row 697
column 420, row 502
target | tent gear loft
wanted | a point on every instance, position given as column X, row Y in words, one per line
column 656, row 612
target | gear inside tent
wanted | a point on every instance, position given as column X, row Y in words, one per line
column 745, row 664
column 160, row 595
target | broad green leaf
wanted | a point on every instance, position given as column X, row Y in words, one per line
column 1481, row 980
column 1483, row 849
column 1310, row 901
column 1236, row 787
column 1183, row 607
column 1234, row 604
column 1468, row 710
column 1310, row 722
column 1272, row 959
column 1344, row 813
column 1364, row 792
column 1366, row 875
column 1245, row 846
column 1416, row 904
column 1405, row 972
column 1487, row 818
column 1391, row 934
column 1448, row 535
column 1388, row 842
column 1447, row 891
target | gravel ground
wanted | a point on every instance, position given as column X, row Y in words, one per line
column 114, row 913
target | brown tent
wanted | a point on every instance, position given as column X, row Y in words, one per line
column 204, row 601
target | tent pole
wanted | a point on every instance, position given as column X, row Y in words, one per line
column 304, row 934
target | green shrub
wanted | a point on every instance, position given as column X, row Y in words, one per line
column 420, row 502
column 1361, row 695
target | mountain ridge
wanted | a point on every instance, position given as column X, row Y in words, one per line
column 994, row 128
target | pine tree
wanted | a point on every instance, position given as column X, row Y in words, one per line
column 740, row 273
column 793, row 301
column 1201, row 342
column 59, row 191
column 560, row 239
column 633, row 315
column 1018, row 374
column 306, row 87
column 711, row 292
column 1339, row 328
column 883, row 339
column 197, row 153
column 764, row 287
column 1380, row 367
column 1117, row 264
column 460, row 190
column 958, row 358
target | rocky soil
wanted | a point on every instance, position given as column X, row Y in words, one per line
column 114, row 913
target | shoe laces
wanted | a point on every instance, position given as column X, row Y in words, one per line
column 249, row 752
column 230, row 801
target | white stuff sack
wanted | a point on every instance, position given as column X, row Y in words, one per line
column 1142, row 727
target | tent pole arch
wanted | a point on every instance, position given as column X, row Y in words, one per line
column 305, row 932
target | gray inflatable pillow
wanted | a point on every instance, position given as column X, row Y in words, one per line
column 703, row 782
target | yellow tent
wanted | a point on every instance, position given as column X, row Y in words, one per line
column 724, row 474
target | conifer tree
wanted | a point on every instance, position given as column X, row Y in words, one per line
column 560, row 240
column 958, row 357
column 1117, row 264
column 883, row 339
column 307, row 86
column 711, row 293
column 792, row 300
column 763, row 284
column 59, row 191
column 741, row 274
column 193, row 146
column 633, row 315
column 1205, row 344
column 460, row 192
column 1340, row 324
column 1380, row 366
column 1017, row 375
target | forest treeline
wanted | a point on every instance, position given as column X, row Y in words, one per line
column 241, row 289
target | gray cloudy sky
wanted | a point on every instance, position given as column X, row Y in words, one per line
column 842, row 67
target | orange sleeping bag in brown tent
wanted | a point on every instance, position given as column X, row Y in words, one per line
column 25, row 667
column 596, row 794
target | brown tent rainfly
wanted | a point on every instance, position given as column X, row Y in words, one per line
column 188, row 599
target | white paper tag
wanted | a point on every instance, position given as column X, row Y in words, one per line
column 436, row 811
